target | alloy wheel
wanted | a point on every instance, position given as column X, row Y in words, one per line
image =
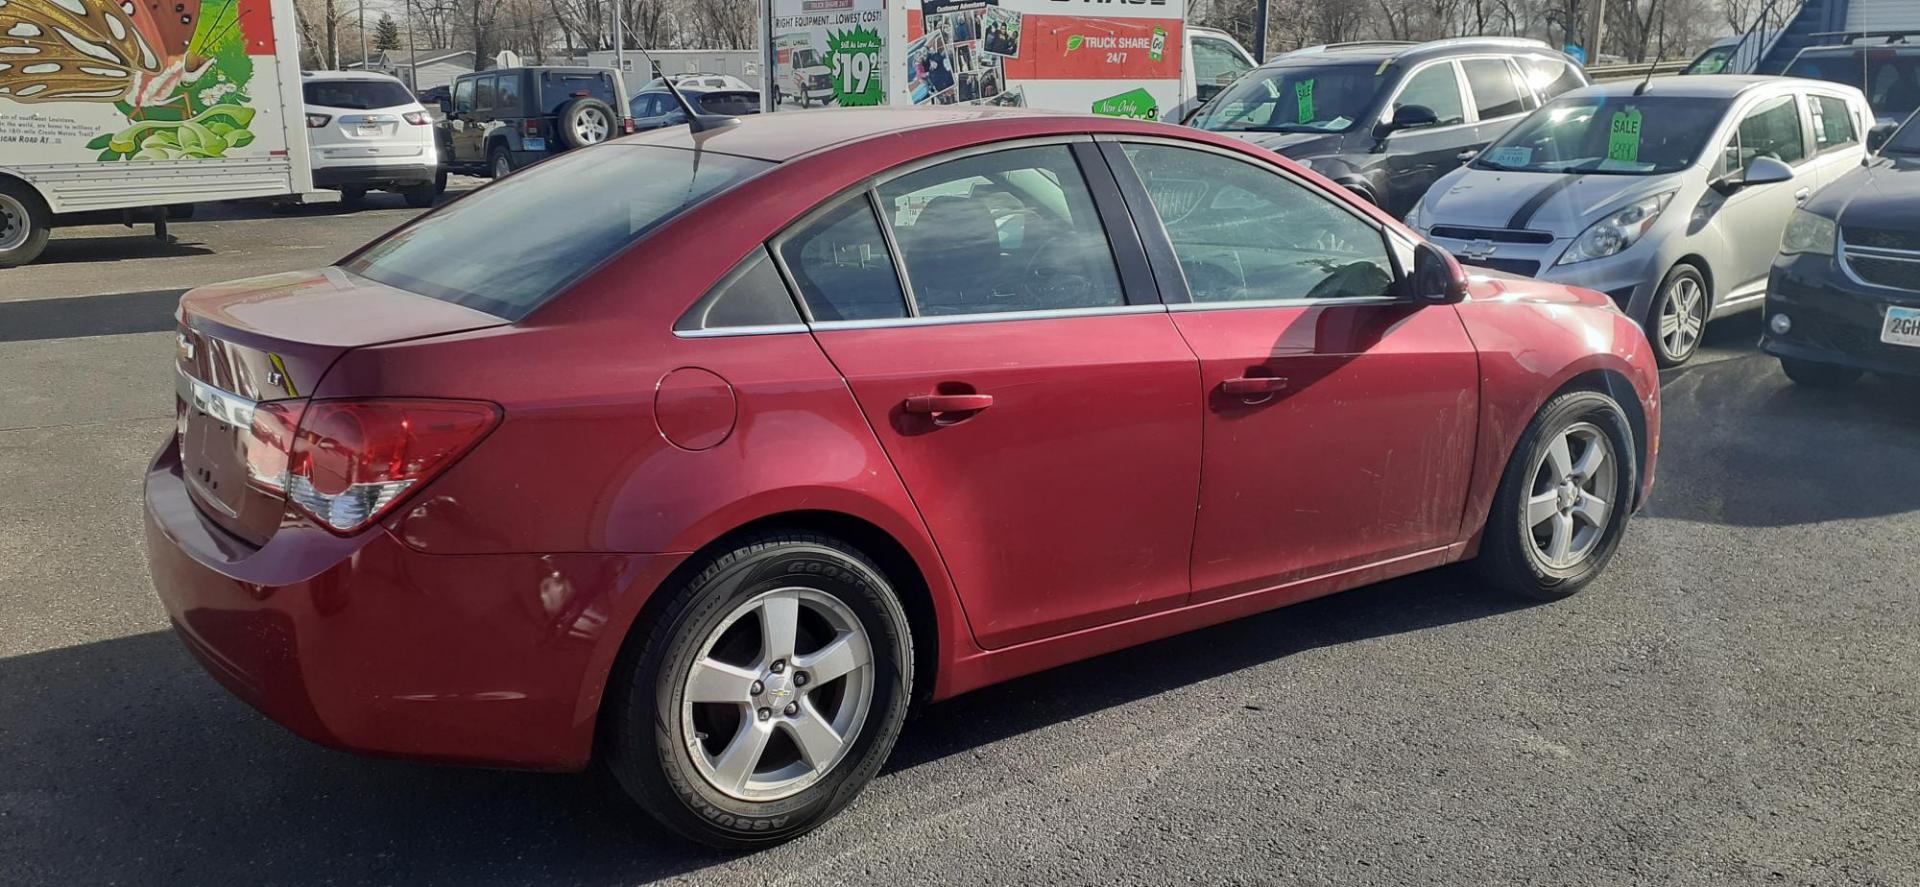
column 1683, row 315
column 502, row 165
column 1571, row 496
column 778, row 694
column 14, row 226
column 591, row 126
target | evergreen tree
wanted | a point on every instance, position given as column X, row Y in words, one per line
column 386, row 34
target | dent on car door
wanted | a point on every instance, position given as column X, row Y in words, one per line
column 1418, row 157
column 1339, row 421
column 1038, row 403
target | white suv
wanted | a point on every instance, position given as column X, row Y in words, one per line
column 367, row 131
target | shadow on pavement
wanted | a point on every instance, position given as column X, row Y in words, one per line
column 66, row 318
column 127, row 764
column 135, row 244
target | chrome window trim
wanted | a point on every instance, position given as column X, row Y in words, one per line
column 1382, row 230
column 773, row 329
column 1305, row 302
column 826, row 326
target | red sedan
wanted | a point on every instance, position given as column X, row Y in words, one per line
column 707, row 454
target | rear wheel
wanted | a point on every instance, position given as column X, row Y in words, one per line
column 1678, row 316
column 1563, row 502
column 1818, row 375
column 25, row 224
column 353, row 197
column 500, row 162
column 420, row 196
column 765, row 695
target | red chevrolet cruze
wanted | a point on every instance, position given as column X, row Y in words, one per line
column 707, row 454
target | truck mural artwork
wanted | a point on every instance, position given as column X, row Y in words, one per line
column 199, row 99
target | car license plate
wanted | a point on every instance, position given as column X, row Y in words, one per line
column 1902, row 327
column 369, row 128
column 536, row 144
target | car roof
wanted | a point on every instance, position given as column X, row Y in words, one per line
column 1704, row 86
column 785, row 135
column 1390, row 50
column 349, row 75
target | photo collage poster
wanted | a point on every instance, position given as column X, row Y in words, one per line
column 960, row 59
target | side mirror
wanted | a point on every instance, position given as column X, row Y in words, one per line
column 1407, row 117
column 1878, row 136
column 1437, row 279
column 1767, row 171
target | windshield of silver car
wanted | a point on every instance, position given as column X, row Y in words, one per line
column 1608, row 135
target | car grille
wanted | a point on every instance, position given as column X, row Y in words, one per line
column 1895, row 268
column 1522, row 267
column 1883, row 238
column 1497, row 235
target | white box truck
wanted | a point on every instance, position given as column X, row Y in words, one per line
column 113, row 110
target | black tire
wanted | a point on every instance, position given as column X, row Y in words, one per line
column 353, row 197
column 1508, row 556
column 440, row 181
column 581, row 118
column 420, row 196
column 1667, row 352
column 643, row 744
column 499, row 161
column 1818, row 375
column 22, row 206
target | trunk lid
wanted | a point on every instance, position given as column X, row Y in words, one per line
column 252, row 351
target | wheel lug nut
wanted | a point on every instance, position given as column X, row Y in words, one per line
column 779, row 665
column 793, row 708
column 765, row 713
column 799, row 678
column 757, row 688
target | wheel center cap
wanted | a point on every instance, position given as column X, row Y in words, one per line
column 776, row 689
column 1568, row 495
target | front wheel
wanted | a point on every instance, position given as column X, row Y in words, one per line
column 765, row 695
column 1563, row 502
column 25, row 224
column 1678, row 316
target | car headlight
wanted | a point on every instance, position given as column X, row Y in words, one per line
column 1613, row 234
column 1808, row 233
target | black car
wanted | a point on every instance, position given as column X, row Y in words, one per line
column 501, row 120
column 654, row 107
column 1844, row 294
column 1387, row 119
column 1883, row 64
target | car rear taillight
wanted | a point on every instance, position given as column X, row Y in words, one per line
column 350, row 461
column 315, row 121
column 629, row 125
column 417, row 118
column 530, row 127
column 269, row 441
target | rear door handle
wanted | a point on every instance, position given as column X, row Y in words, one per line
column 1253, row 386
column 1801, row 195
column 938, row 404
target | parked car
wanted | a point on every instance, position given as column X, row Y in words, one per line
column 1888, row 72
column 365, row 132
column 947, row 397
column 707, row 80
column 507, row 118
column 1844, row 296
column 1212, row 62
column 1669, row 196
column 1386, row 119
column 655, row 106
column 1733, row 54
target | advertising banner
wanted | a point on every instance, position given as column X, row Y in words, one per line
column 1117, row 59
column 829, row 53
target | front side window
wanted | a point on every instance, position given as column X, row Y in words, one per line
column 1242, row 233
column 463, row 97
column 1012, row 230
column 1770, row 130
column 1832, row 123
column 1494, row 92
column 570, row 214
column 1215, row 64
column 1436, row 88
column 1294, row 98
column 841, row 265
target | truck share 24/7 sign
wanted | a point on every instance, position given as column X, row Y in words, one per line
column 1114, row 57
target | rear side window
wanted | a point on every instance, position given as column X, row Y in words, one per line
column 558, row 88
column 1550, row 77
column 506, row 93
column 358, row 95
column 841, row 265
column 751, row 295
column 1494, row 92
column 1437, row 88
column 509, row 247
column 1832, row 123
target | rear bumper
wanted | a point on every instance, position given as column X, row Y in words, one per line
column 365, row 644
column 1835, row 320
column 399, row 175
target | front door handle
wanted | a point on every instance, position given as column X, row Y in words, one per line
column 1801, row 195
column 947, row 406
column 1252, row 386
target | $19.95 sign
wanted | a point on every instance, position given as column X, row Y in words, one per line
column 854, row 55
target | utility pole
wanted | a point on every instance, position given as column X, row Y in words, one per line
column 413, row 52
column 1596, row 28
column 363, row 35
column 1260, row 32
column 619, row 41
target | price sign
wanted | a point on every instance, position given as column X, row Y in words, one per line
column 855, row 57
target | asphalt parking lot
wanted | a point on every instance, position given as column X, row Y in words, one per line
column 1736, row 702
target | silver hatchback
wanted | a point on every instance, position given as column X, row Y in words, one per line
column 1670, row 196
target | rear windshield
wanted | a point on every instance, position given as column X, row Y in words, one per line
column 512, row 245
column 358, row 95
column 1608, row 135
column 557, row 88
column 731, row 103
column 1889, row 76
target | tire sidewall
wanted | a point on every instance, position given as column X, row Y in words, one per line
column 39, row 222
column 1661, row 297
column 1561, row 413
column 695, row 807
column 570, row 114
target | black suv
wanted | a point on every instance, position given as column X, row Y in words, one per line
column 501, row 120
column 1386, row 119
column 1883, row 64
column 1844, row 296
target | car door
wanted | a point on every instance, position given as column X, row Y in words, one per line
column 463, row 129
column 1419, row 157
column 1837, row 135
column 1755, row 216
column 485, row 116
column 1339, row 419
column 1021, row 375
